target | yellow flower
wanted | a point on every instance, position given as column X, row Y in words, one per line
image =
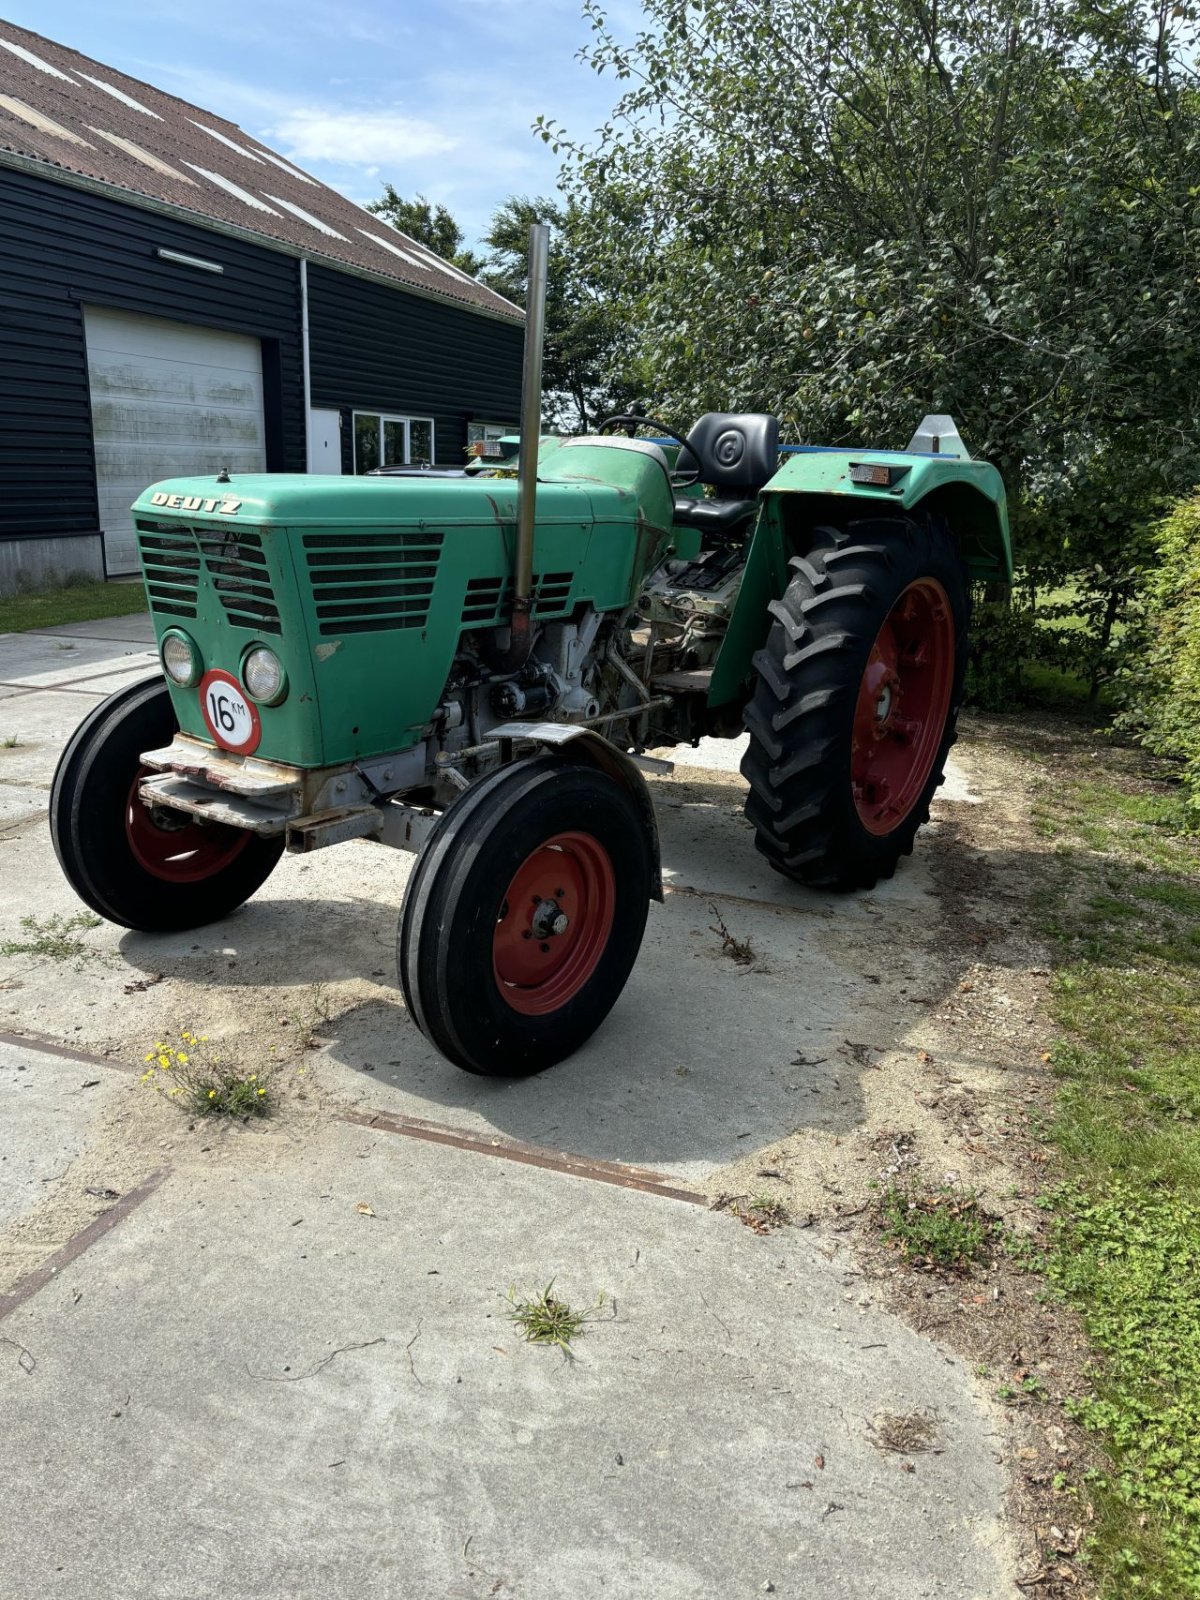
column 252, row 1078
column 182, row 1059
column 212, row 1094
column 261, row 1091
column 150, row 1057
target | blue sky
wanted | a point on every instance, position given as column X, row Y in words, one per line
column 436, row 97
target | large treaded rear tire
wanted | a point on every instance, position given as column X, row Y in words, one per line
column 805, row 713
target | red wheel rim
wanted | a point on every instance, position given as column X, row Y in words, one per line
column 185, row 854
column 540, row 963
column 902, row 704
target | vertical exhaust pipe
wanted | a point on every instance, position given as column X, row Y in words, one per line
column 531, row 429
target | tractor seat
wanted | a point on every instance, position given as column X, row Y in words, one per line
column 736, row 453
column 714, row 516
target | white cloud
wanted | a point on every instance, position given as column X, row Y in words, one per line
column 357, row 138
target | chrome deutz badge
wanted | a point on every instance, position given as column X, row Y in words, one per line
column 221, row 505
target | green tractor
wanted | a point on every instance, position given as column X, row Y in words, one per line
column 471, row 667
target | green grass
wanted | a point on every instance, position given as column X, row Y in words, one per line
column 1123, row 912
column 73, row 602
column 545, row 1319
column 56, row 937
column 944, row 1228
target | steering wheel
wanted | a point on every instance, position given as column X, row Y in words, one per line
column 679, row 480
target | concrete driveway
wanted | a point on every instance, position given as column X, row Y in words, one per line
column 220, row 1375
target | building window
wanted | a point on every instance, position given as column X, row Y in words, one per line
column 384, row 441
column 488, row 430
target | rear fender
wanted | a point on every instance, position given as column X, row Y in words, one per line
column 814, row 486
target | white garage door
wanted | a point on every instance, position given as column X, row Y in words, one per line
column 168, row 400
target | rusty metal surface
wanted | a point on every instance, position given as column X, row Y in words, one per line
column 49, row 1047
column 530, row 1155
column 26, row 1287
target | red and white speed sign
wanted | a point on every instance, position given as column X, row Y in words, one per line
column 231, row 718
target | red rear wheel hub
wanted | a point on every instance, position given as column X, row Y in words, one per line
column 178, row 852
column 553, row 924
column 903, row 700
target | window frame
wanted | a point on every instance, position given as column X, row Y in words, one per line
column 381, row 418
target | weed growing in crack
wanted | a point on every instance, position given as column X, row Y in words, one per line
column 56, row 937
column 206, row 1084
column 545, row 1319
column 739, row 950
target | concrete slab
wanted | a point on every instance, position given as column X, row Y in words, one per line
column 41, row 723
column 251, row 1389
column 47, row 661
column 47, row 1118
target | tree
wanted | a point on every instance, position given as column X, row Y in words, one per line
column 851, row 212
column 579, row 373
column 432, row 226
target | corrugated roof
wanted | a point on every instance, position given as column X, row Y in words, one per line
column 78, row 116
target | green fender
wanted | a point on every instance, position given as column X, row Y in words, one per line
column 814, row 486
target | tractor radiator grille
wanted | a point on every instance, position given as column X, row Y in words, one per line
column 489, row 600
column 174, row 556
column 237, row 566
column 372, row 582
column 171, row 564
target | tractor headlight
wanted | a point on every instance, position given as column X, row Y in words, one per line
column 263, row 676
column 181, row 659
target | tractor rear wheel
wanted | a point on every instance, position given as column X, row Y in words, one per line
column 854, row 711
column 156, row 872
column 524, row 915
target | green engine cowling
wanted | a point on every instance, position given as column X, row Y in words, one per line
column 364, row 587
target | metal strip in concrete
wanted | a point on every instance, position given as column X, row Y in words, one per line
column 718, row 896
column 95, row 638
column 25, row 1288
column 55, row 688
column 49, row 1047
column 530, row 1155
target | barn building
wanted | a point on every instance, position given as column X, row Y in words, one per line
column 177, row 298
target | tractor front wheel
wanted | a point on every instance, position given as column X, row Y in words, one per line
column 157, row 872
column 524, row 915
column 857, row 697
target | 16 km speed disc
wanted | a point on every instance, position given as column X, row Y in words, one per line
column 229, row 716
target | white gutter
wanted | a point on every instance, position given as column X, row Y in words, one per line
column 304, row 355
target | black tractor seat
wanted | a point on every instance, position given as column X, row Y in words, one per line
column 715, row 516
column 735, row 453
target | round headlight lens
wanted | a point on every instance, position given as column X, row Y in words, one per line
column 263, row 676
column 181, row 659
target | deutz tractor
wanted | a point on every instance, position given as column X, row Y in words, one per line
column 471, row 667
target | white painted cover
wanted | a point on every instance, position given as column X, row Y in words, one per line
column 169, row 400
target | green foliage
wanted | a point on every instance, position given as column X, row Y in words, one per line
column 851, row 213
column 581, row 328
column 1122, row 914
column 1131, row 1256
column 54, row 936
column 206, row 1084
column 432, row 226
column 545, row 1319
column 945, row 1229
column 1161, row 682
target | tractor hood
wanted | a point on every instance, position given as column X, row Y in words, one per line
column 364, row 587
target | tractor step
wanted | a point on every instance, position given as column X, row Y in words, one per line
column 211, row 805
column 264, row 782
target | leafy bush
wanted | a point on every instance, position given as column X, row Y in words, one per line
column 1160, row 684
